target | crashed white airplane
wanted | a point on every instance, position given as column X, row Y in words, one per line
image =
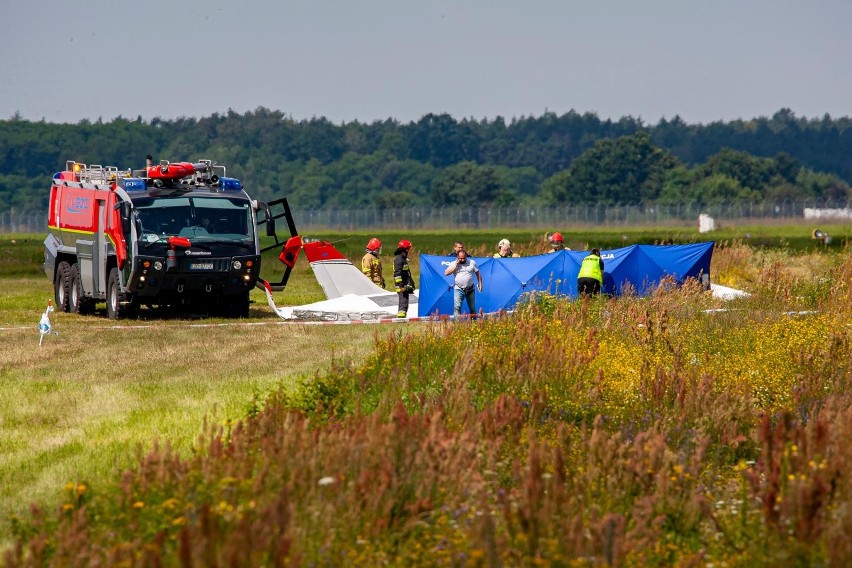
column 352, row 296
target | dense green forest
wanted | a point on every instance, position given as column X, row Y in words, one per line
column 439, row 160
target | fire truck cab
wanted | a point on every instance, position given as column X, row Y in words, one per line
column 172, row 234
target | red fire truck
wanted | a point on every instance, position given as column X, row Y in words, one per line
column 172, row 235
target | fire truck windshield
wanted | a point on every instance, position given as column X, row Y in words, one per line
column 201, row 219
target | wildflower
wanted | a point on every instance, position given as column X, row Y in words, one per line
column 138, row 504
column 81, row 489
column 179, row 521
column 326, row 480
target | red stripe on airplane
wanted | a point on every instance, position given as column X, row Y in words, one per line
column 322, row 250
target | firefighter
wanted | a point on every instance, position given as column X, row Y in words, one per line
column 504, row 250
column 402, row 276
column 590, row 278
column 370, row 265
column 556, row 242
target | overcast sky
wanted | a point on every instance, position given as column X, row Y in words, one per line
column 365, row 60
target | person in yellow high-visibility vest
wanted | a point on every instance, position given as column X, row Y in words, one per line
column 504, row 250
column 590, row 278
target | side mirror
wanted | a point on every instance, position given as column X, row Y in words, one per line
column 124, row 208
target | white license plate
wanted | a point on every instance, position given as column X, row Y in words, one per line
column 201, row 266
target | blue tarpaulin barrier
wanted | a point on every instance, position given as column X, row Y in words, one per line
column 506, row 280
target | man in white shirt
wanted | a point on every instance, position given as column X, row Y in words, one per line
column 464, row 268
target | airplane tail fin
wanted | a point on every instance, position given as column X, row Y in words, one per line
column 335, row 273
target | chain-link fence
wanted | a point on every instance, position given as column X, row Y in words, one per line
column 521, row 217
column 27, row 221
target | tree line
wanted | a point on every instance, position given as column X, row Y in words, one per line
column 439, row 160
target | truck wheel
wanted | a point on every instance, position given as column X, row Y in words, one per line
column 62, row 286
column 239, row 306
column 75, row 295
column 78, row 303
column 114, row 310
column 243, row 306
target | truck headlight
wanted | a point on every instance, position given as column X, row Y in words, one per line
column 237, row 265
column 158, row 265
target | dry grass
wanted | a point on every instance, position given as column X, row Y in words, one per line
column 78, row 407
column 638, row 431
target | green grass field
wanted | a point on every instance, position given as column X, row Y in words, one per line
column 82, row 407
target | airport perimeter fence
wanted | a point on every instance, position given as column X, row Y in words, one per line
column 561, row 217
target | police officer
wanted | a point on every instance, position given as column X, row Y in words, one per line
column 590, row 278
column 402, row 276
column 370, row 264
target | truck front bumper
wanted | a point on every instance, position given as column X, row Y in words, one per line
column 152, row 277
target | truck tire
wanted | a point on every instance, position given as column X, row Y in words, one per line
column 77, row 302
column 119, row 305
column 238, row 307
column 113, row 302
column 62, row 286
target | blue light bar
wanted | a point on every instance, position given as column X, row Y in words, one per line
column 230, row 184
column 132, row 184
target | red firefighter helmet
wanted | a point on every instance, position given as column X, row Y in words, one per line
column 404, row 244
column 556, row 238
column 374, row 244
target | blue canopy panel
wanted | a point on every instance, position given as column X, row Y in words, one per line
column 436, row 290
column 678, row 261
column 506, row 280
column 620, row 269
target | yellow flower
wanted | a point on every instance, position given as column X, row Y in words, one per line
column 138, row 504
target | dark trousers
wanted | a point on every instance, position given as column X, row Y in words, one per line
column 588, row 286
column 403, row 303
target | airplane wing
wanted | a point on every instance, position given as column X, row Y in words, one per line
column 336, row 274
column 726, row 293
column 350, row 294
